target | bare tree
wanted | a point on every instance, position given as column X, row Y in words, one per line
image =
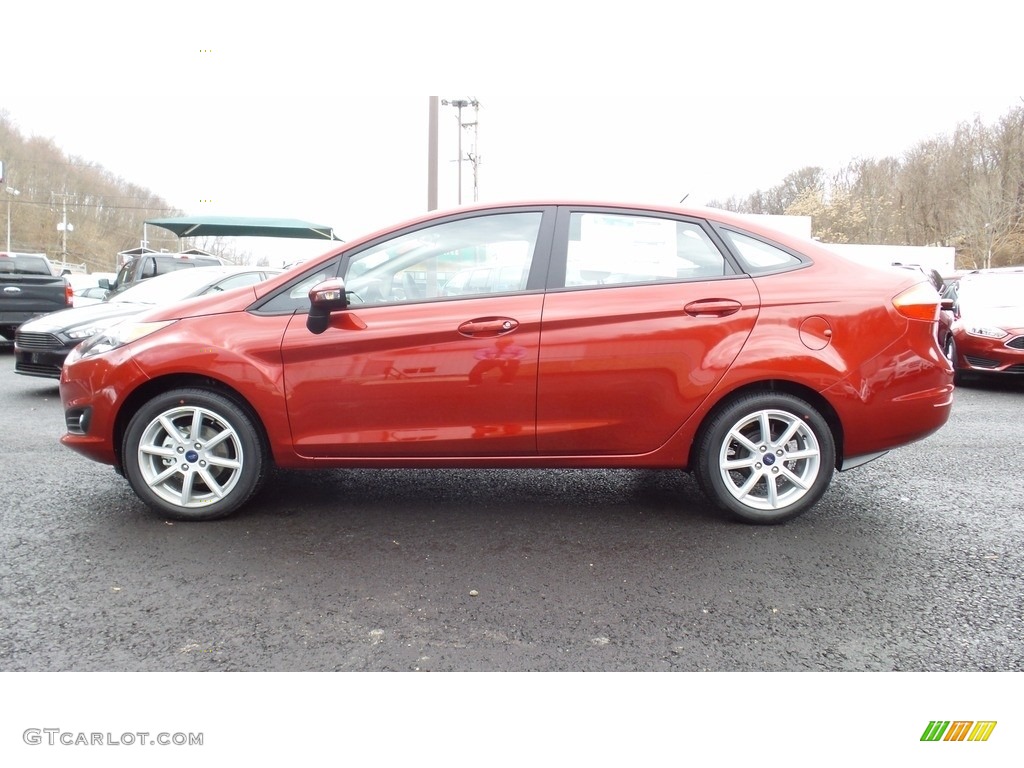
column 965, row 190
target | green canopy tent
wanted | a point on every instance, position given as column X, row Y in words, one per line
column 243, row 226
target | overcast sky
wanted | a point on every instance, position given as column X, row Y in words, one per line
column 319, row 111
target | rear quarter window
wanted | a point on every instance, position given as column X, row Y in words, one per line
column 760, row 257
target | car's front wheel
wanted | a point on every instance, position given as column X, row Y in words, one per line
column 766, row 457
column 193, row 454
column 949, row 350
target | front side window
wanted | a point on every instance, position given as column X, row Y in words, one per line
column 295, row 296
column 467, row 257
column 612, row 248
column 123, row 274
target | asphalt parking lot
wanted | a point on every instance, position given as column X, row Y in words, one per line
column 910, row 563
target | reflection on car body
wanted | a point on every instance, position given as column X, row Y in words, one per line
column 42, row 345
column 654, row 337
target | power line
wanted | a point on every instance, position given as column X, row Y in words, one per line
column 105, row 206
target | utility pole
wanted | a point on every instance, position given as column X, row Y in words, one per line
column 11, row 192
column 474, row 155
column 63, row 226
column 459, row 104
column 432, row 155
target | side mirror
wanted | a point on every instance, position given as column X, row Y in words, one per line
column 325, row 298
column 103, row 283
column 947, row 304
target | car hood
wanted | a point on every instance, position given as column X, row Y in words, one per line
column 1007, row 318
column 100, row 315
column 213, row 304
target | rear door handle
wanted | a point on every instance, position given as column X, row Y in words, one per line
column 712, row 308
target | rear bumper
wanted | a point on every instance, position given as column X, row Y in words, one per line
column 892, row 401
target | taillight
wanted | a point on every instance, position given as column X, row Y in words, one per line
column 919, row 302
column 69, row 293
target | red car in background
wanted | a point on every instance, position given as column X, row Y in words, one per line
column 618, row 336
column 983, row 313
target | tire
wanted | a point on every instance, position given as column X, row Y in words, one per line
column 949, row 350
column 766, row 457
column 193, row 479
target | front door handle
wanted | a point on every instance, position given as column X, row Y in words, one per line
column 484, row 327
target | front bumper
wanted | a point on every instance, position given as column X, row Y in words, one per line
column 92, row 391
column 983, row 355
column 40, row 354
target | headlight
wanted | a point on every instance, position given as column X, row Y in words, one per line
column 988, row 331
column 83, row 333
column 118, row 335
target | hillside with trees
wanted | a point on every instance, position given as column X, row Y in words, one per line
column 105, row 212
column 964, row 190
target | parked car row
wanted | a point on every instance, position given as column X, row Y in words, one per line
column 41, row 345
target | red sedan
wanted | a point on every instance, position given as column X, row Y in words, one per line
column 984, row 317
column 598, row 335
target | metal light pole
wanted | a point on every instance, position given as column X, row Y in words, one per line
column 11, row 192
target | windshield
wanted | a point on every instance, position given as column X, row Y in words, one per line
column 166, row 288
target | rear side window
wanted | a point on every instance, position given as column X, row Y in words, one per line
column 236, row 281
column 613, row 248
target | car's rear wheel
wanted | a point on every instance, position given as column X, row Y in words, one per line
column 766, row 457
column 193, row 454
